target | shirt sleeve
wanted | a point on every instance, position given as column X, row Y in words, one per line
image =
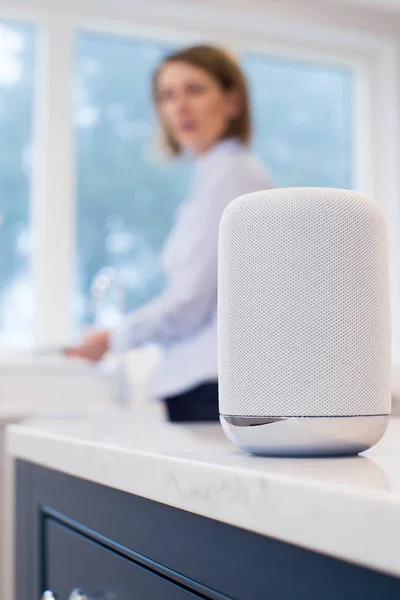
column 190, row 295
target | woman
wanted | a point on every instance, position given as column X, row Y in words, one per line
column 201, row 99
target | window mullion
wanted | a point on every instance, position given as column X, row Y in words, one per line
column 53, row 204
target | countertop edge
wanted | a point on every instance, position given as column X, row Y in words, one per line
column 358, row 527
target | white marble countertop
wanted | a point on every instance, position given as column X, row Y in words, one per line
column 17, row 411
column 344, row 507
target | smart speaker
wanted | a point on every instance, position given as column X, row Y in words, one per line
column 304, row 322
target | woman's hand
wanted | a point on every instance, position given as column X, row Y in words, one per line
column 93, row 347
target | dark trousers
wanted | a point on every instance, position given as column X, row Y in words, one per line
column 198, row 404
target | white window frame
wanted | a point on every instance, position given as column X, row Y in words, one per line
column 374, row 60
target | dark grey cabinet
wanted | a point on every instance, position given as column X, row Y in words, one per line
column 72, row 560
column 72, row 533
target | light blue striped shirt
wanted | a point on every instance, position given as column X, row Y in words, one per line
column 183, row 319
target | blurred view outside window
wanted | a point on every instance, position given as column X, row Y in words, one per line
column 302, row 120
column 127, row 196
column 17, row 57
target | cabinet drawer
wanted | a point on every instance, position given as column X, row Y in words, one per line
column 72, row 560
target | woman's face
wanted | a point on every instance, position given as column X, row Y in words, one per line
column 193, row 107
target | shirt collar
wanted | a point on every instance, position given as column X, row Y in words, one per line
column 221, row 148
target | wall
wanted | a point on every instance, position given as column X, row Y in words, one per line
column 351, row 17
column 323, row 12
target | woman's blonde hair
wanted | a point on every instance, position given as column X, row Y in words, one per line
column 225, row 70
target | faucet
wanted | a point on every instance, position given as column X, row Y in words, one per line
column 106, row 280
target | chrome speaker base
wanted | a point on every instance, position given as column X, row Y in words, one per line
column 305, row 436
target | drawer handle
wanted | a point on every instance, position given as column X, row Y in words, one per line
column 78, row 594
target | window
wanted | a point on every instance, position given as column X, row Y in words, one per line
column 306, row 116
column 126, row 196
column 17, row 57
column 302, row 120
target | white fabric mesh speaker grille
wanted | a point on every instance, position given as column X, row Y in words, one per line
column 304, row 309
